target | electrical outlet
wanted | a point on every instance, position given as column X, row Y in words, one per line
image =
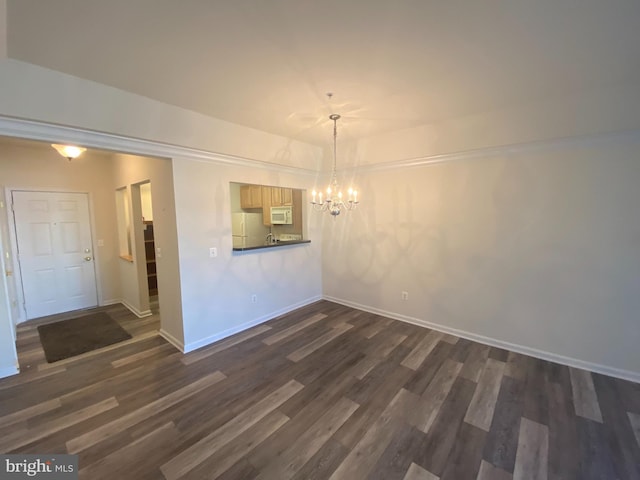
column 405, row 295
column 254, row 298
column 213, row 252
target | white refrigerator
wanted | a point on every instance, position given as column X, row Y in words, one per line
column 247, row 230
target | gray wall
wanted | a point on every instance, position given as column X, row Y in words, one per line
column 536, row 250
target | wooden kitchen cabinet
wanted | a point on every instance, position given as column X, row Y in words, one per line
column 251, row 196
column 266, row 206
column 275, row 197
column 281, row 196
column 287, row 196
column 296, row 201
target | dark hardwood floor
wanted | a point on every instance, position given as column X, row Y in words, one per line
column 323, row 392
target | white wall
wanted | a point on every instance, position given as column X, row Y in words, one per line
column 8, row 354
column 537, row 249
column 8, row 262
column 216, row 292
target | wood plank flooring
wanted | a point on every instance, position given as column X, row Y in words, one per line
column 324, row 392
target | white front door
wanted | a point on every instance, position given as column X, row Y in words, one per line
column 55, row 251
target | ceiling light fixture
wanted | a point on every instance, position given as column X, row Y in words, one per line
column 69, row 151
column 334, row 202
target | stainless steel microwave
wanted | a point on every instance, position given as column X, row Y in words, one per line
column 282, row 215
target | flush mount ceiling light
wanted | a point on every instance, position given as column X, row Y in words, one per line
column 334, row 202
column 69, row 151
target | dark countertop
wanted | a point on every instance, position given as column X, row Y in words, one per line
column 271, row 245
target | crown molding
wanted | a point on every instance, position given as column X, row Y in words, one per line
column 35, row 130
column 502, row 150
column 41, row 131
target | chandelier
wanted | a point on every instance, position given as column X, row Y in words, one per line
column 334, row 202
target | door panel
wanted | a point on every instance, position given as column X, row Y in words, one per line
column 41, row 239
column 55, row 251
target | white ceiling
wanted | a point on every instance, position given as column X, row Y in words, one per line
column 390, row 64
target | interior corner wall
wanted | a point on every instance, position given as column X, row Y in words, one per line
column 535, row 250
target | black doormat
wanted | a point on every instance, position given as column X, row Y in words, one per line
column 69, row 338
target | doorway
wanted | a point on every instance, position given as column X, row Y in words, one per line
column 55, row 251
column 31, row 162
column 146, row 203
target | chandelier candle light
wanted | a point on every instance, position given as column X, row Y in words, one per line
column 334, row 202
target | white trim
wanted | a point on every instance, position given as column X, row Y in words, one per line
column 514, row 347
column 172, row 340
column 33, row 130
column 113, row 301
column 17, row 271
column 501, row 150
column 135, row 311
column 8, row 371
column 244, row 326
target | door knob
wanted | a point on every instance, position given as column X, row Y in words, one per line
column 88, row 259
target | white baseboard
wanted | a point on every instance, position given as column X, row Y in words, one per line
column 135, row 311
column 113, row 301
column 103, row 303
column 172, row 340
column 8, row 371
column 514, row 347
column 244, row 326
